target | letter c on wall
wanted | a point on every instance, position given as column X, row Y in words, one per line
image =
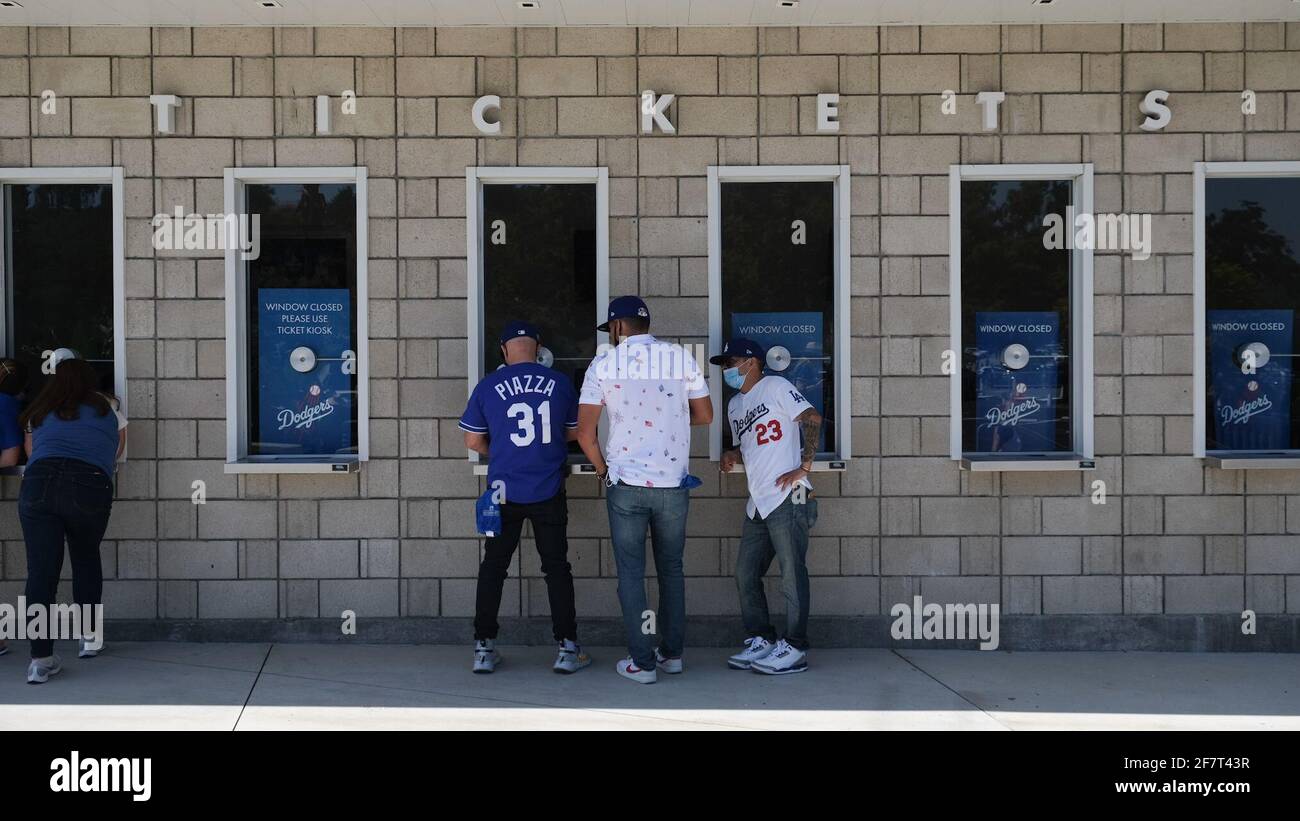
column 481, row 105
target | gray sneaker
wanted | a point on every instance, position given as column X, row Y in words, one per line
column 86, row 650
column 486, row 657
column 40, row 670
column 571, row 659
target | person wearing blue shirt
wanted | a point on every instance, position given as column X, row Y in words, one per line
column 13, row 377
column 74, row 436
column 521, row 417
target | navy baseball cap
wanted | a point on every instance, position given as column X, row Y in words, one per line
column 517, row 329
column 624, row 307
column 738, row 348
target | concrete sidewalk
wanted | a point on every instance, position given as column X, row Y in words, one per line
column 188, row 686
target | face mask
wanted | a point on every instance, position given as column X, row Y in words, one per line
column 733, row 377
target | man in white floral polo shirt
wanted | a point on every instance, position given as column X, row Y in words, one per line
column 654, row 392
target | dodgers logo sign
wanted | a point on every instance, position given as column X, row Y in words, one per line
column 304, row 394
column 1252, row 411
column 1017, row 380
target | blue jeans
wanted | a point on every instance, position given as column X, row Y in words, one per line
column 63, row 500
column 783, row 535
column 663, row 510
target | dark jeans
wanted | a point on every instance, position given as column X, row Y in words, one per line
column 783, row 535
column 63, row 499
column 550, row 520
column 633, row 509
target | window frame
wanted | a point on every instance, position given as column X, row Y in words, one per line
column 841, row 177
column 478, row 176
column 113, row 177
column 1225, row 459
column 237, row 457
column 1081, row 324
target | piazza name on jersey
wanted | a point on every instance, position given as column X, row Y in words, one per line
column 527, row 383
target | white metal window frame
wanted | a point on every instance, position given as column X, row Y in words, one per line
column 1229, row 460
column 1081, row 335
column 840, row 176
column 89, row 175
column 237, row 458
column 476, row 177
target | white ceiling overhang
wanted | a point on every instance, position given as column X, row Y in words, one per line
column 634, row 12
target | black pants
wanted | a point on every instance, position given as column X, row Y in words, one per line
column 63, row 499
column 550, row 521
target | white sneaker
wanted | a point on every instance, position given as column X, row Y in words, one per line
column 784, row 658
column 571, row 659
column 86, row 650
column 40, row 670
column 756, row 647
column 668, row 665
column 486, row 657
column 628, row 669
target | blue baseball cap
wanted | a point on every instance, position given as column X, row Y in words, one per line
column 517, row 329
column 624, row 307
column 738, row 348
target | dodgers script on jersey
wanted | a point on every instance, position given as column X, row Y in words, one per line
column 525, row 410
column 763, row 422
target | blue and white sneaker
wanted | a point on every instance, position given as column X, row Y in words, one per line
column 571, row 659
column 486, row 657
column 756, row 647
column 40, row 670
column 784, row 658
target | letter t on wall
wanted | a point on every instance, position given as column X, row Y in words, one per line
column 163, row 106
column 990, row 100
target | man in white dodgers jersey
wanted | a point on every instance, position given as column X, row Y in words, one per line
column 520, row 416
column 768, row 417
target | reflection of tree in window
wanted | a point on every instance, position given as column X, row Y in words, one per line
column 1252, row 233
column 59, row 264
column 1006, row 268
column 308, row 240
column 764, row 270
column 544, row 273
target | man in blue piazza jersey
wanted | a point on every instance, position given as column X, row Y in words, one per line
column 521, row 416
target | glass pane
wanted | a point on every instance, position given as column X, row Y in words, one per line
column 1252, row 295
column 59, row 272
column 539, row 265
column 302, row 324
column 778, row 286
column 1015, row 318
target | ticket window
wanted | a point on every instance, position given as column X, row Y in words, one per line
column 1248, row 271
column 1022, row 386
column 299, row 375
column 778, row 256
column 538, row 252
column 62, row 274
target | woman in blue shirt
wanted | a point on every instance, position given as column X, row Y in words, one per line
column 74, row 436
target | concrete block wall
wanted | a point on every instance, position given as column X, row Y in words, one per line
column 1175, row 537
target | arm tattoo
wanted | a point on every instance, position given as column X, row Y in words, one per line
column 810, row 426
